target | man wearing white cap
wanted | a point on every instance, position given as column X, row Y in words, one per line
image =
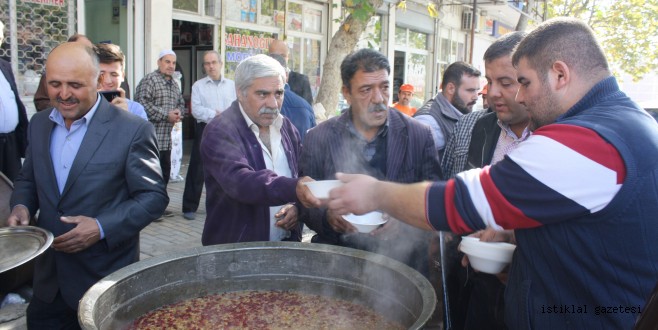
column 163, row 101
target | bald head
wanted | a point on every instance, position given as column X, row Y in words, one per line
column 80, row 38
column 72, row 75
column 279, row 47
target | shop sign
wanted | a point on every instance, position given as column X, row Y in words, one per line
column 500, row 29
column 243, row 43
column 58, row 3
column 488, row 27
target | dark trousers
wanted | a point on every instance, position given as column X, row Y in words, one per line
column 10, row 159
column 194, row 177
column 165, row 164
column 54, row 315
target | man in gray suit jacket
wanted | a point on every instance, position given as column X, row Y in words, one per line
column 369, row 137
column 92, row 171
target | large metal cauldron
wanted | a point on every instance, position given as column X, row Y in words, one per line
column 389, row 287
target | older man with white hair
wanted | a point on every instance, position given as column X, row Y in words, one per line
column 250, row 155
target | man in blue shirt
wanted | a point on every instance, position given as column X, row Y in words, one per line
column 112, row 75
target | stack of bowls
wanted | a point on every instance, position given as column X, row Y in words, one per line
column 487, row 257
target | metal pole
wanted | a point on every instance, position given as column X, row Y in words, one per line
column 474, row 17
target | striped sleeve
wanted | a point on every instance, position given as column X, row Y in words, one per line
column 561, row 172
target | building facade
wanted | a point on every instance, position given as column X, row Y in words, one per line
column 419, row 46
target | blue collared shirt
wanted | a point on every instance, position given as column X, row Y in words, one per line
column 65, row 143
column 137, row 109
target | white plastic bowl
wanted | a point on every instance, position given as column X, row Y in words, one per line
column 487, row 257
column 321, row 188
column 367, row 222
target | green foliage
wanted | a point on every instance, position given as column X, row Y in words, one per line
column 361, row 10
column 629, row 34
column 627, row 30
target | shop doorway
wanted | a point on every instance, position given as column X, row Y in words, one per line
column 398, row 73
column 189, row 41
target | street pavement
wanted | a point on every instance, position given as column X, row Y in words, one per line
column 174, row 233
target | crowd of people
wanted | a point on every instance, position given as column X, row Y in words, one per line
column 560, row 163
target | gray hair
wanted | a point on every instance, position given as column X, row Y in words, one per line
column 219, row 57
column 254, row 67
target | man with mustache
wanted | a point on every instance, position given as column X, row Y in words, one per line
column 459, row 92
column 250, row 154
column 486, row 137
column 92, row 175
column 371, row 138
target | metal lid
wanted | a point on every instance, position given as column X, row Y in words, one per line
column 21, row 244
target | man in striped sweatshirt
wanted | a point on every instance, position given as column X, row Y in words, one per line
column 581, row 193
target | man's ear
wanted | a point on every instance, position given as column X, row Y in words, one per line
column 346, row 94
column 560, row 75
column 450, row 90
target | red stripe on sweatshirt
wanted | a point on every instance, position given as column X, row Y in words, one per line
column 455, row 221
column 505, row 214
column 587, row 143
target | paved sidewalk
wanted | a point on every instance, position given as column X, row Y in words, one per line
column 173, row 233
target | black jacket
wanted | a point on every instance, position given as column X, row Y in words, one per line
column 21, row 129
column 300, row 84
column 484, row 138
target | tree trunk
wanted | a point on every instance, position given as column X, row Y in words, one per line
column 342, row 43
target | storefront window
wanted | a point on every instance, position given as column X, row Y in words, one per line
column 294, row 53
column 445, row 50
column 416, row 76
column 214, row 8
column 272, row 12
column 410, row 64
column 294, row 17
column 400, row 36
column 312, row 59
column 41, row 27
column 188, row 5
column 417, row 40
column 312, row 20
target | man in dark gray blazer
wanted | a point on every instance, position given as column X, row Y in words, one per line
column 92, row 171
column 369, row 137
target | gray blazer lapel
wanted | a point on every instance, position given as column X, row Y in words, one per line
column 95, row 135
column 396, row 147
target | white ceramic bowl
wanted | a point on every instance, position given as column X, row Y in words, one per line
column 321, row 188
column 487, row 257
column 367, row 222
